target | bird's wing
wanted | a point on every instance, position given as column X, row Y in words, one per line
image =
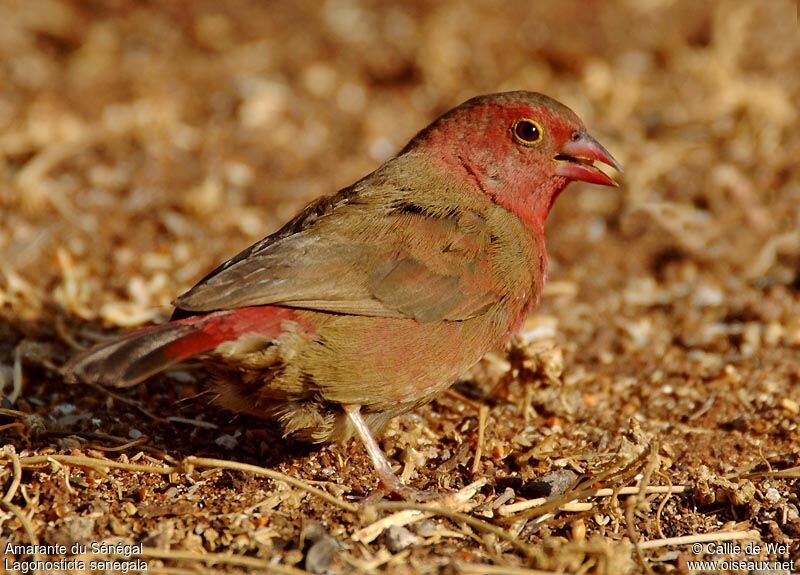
column 340, row 256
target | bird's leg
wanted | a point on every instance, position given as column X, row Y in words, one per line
column 389, row 481
column 388, row 478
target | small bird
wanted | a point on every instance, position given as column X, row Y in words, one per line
column 375, row 299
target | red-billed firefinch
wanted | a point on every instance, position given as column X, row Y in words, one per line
column 375, row 299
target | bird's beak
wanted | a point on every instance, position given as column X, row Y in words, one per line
column 576, row 158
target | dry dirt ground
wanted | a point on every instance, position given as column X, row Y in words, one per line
column 655, row 394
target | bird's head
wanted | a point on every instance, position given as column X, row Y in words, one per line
column 520, row 148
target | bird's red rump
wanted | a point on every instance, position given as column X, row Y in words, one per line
column 218, row 327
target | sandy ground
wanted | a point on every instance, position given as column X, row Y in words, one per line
column 655, row 393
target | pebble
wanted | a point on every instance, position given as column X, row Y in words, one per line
column 227, row 441
column 398, row 538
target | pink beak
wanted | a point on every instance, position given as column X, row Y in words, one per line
column 576, row 160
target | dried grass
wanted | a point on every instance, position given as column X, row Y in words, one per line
column 140, row 145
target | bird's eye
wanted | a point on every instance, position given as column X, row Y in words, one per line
column 527, row 132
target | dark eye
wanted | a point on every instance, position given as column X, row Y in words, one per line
column 527, row 132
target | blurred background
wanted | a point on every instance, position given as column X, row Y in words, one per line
column 141, row 143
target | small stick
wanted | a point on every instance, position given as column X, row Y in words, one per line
column 26, row 525
column 92, row 462
column 483, row 414
column 462, row 518
column 407, row 516
column 221, row 559
column 123, row 446
column 700, row 538
column 17, row 471
column 481, row 568
column 125, row 400
column 16, row 377
column 196, row 422
column 271, row 474
column 791, row 472
column 652, row 464
column 663, row 504
column 511, row 508
column 18, row 425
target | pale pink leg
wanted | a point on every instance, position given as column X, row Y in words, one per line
column 388, row 478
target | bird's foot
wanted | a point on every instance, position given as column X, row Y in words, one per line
column 390, row 484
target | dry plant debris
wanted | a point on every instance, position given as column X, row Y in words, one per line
column 652, row 402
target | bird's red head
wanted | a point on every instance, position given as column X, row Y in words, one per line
column 520, row 148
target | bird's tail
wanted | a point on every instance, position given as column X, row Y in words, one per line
column 142, row 353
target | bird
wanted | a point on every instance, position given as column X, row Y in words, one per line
column 373, row 300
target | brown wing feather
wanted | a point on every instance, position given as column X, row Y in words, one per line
column 305, row 219
column 386, row 258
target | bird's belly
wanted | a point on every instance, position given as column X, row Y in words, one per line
column 382, row 362
column 388, row 366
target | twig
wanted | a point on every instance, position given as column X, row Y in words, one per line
column 188, row 463
column 16, row 377
column 407, row 516
column 784, row 243
column 65, row 472
column 122, row 447
column 193, row 461
column 512, row 508
column 663, row 503
column 63, row 333
column 93, row 462
column 126, row 401
column 457, row 395
column 636, row 500
column 700, row 538
column 480, row 568
column 458, row 517
column 18, row 425
column 16, row 468
column 26, row 525
column 708, row 404
column 464, row 518
column 89, row 436
column 195, row 422
column 633, row 535
column 220, row 559
column 177, row 571
column 483, row 414
column 791, row 472
column 622, row 476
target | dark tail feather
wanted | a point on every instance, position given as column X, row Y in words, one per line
column 144, row 352
column 134, row 357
